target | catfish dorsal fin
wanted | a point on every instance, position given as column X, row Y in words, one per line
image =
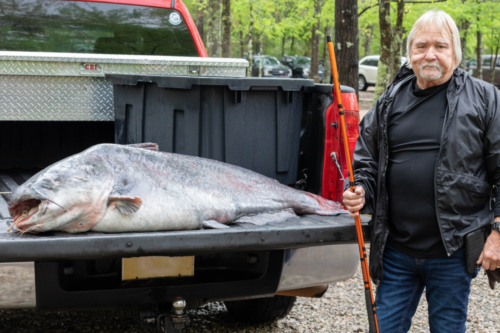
column 145, row 145
column 126, row 205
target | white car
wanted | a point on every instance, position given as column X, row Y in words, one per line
column 368, row 67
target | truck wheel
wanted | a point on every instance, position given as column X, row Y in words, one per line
column 261, row 310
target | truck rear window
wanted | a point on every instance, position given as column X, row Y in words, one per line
column 92, row 27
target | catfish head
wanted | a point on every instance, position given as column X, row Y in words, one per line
column 70, row 195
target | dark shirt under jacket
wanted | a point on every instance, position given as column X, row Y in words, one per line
column 414, row 132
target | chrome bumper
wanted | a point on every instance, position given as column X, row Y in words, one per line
column 317, row 265
column 17, row 285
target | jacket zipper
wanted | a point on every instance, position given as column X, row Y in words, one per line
column 436, row 170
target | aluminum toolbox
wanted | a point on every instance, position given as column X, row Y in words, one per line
column 41, row 86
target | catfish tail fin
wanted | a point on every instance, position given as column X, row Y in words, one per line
column 323, row 206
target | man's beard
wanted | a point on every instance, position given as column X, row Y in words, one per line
column 433, row 76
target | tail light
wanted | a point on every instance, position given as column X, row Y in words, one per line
column 332, row 185
column 352, row 122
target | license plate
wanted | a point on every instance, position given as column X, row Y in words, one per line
column 156, row 267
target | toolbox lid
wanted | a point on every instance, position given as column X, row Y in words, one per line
column 233, row 83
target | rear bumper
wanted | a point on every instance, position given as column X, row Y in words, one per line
column 302, row 268
column 17, row 285
column 318, row 265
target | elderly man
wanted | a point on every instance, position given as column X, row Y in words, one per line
column 427, row 162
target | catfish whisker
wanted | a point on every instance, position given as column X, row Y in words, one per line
column 11, row 226
column 29, row 229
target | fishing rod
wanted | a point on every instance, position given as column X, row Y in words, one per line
column 370, row 301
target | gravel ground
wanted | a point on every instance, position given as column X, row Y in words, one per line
column 341, row 309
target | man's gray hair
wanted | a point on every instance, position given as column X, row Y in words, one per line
column 445, row 23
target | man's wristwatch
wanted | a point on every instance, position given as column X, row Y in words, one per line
column 496, row 226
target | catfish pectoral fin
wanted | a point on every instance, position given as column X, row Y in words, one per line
column 212, row 224
column 126, row 205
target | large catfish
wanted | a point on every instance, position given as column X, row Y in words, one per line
column 118, row 188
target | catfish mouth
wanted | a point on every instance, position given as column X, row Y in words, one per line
column 22, row 212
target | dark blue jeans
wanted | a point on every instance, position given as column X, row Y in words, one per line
column 447, row 289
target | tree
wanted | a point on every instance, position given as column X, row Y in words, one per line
column 347, row 42
column 250, row 40
column 385, row 64
column 226, row 28
column 213, row 33
column 478, row 47
column 313, row 71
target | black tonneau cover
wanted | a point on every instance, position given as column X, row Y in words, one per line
column 303, row 231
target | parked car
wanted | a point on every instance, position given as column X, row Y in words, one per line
column 368, row 67
column 301, row 66
column 471, row 67
column 271, row 67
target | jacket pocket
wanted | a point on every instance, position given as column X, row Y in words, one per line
column 463, row 181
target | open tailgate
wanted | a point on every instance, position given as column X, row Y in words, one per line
column 302, row 231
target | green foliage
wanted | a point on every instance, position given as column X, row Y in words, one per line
column 291, row 21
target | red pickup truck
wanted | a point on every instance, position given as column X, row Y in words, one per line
column 78, row 73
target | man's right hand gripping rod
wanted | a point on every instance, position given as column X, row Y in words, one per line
column 370, row 301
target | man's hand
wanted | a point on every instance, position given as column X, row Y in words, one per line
column 490, row 257
column 355, row 201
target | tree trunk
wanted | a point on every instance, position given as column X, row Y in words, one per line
column 464, row 27
column 397, row 39
column 493, row 64
column 213, row 44
column 327, row 73
column 478, row 53
column 368, row 40
column 327, row 32
column 283, row 40
column 347, row 42
column 291, row 45
column 313, row 70
column 242, row 45
column 250, row 41
column 261, row 43
column 385, row 73
column 226, row 31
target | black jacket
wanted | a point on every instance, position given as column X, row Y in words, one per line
column 467, row 167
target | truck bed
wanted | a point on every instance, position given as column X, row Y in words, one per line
column 302, row 231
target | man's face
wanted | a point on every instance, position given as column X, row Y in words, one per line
column 432, row 57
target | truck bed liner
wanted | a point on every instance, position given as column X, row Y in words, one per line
column 302, row 231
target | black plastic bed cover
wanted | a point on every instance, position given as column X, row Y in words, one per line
column 302, row 231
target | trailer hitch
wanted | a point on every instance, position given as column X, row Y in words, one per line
column 170, row 322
